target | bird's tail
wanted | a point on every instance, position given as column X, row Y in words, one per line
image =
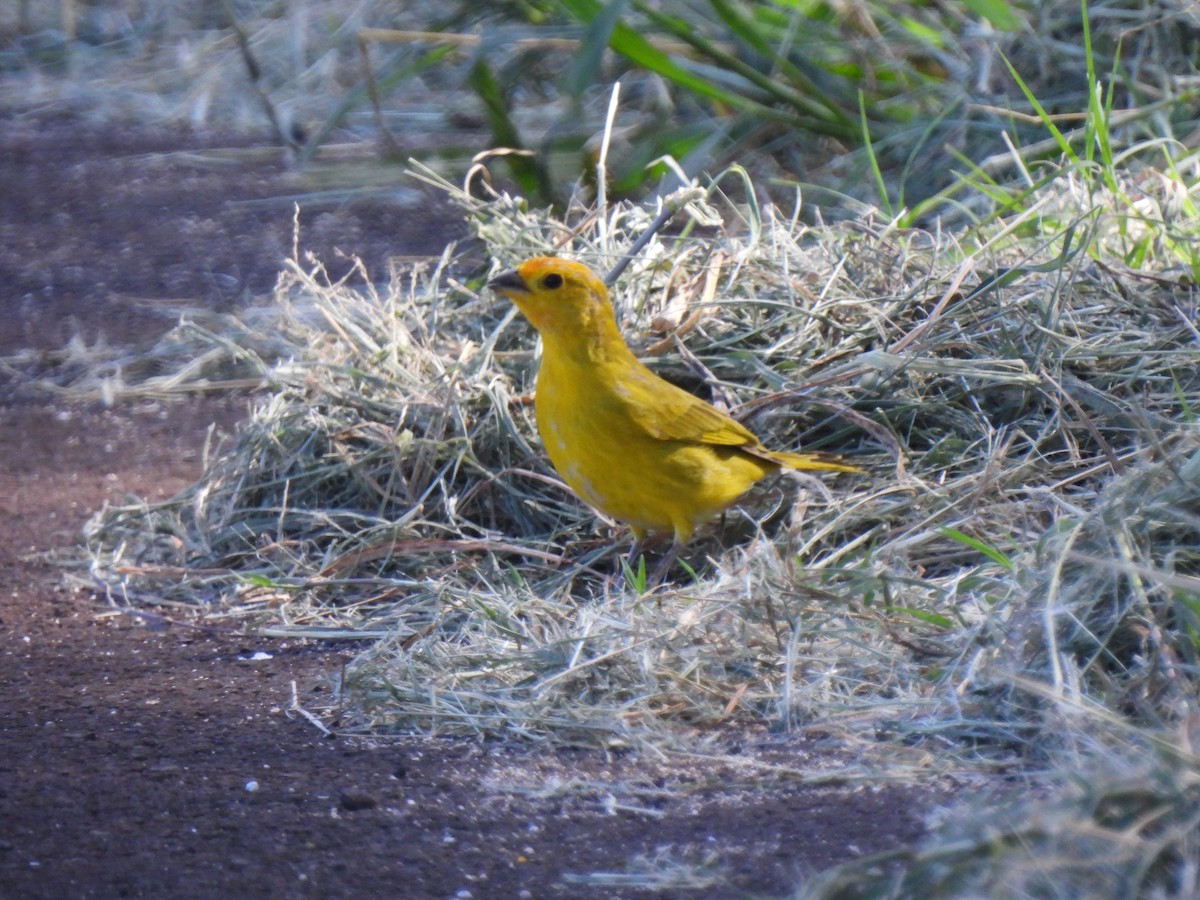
column 815, row 461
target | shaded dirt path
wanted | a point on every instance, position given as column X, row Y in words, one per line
column 128, row 743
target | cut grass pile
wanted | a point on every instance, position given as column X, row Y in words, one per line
column 1013, row 582
column 1022, row 399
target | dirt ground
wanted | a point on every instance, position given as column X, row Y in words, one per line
column 149, row 757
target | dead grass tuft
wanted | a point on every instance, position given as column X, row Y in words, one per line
column 1123, row 824
column 1024, row 407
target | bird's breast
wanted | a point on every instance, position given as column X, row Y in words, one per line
column 604, row 453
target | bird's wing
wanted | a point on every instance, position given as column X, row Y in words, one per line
column 669, row 413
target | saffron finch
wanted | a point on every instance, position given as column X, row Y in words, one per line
column 631, row 444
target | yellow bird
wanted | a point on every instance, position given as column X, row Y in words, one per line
column 632, row 445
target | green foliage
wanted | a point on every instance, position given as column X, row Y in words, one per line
column 529, row 173
column 908, row 107
column 760, row 73
column 1139, row 227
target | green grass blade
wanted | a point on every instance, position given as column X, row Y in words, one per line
column 998, row 13
column 531, row 178
column 1059, row 138
column 990, row 552
column 585, row 65
column 880, row 184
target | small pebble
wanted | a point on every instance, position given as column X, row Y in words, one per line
column 353, row 801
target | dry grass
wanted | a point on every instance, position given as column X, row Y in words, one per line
column 1028, row 515
column 1122, row 823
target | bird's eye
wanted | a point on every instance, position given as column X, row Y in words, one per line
column 552, row 281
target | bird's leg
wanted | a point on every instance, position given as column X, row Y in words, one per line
column 635, row 561
column 635, row 551
column 664, row 565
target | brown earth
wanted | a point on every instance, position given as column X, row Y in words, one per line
column 131, row 744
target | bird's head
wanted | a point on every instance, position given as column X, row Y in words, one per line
column 563, row 299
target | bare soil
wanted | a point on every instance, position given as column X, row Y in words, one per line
column 148, row 756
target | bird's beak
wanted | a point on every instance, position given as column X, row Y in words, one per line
column 509, row 282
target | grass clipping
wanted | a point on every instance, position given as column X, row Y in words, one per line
column 1023, row 408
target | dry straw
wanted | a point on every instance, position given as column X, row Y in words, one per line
column 1023, row 407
